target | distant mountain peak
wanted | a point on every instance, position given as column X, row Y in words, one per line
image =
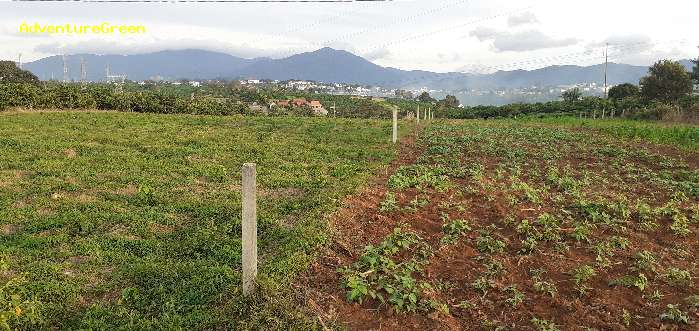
column 326, row 64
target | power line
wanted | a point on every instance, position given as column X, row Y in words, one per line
column 399, row 20
column 449, row 28
column 621, row 49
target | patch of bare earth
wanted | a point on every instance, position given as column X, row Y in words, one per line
column 9, row 229
column 70, row 153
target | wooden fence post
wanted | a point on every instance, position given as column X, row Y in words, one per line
column 395, row 125
column 249, row 220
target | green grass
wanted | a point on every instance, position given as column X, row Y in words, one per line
column 681, row 135
column 132, row 221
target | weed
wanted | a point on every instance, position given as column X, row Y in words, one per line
column 453, row 230
column 627, row 318
column 516, row 297
column 483, row 285
column 644, row 261
column 379, row 276
column 530, row 194
column 465, row 305
column 417, row 203
column 674, row 314
column 389, row 203
column 546, row 287
column 678, row 277
column 544, row 325
column 693, row 301
column 656, row 296
column 680, row 225
column 581, row 275
column 494, row 269
column 17, row 310
column 640, row 282
column 582, row 232
column 487, row 244
column 418, row 176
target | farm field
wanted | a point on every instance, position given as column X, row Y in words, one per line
column 132, row 221
column 507, row 225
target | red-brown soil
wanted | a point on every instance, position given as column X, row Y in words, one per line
column 360, row 223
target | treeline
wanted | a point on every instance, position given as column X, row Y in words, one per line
column 104, row 97
column 588, row 107
column 665, row 93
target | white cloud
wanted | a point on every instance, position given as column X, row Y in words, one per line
column 529, row 40
column 377, row 54
column 484, row 33
column 381, row 31
column 524, row 18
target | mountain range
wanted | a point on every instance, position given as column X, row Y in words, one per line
column 324, row 65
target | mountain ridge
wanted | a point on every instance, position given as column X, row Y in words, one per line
column 326, row 65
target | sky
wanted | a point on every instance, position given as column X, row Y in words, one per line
column 435, row 35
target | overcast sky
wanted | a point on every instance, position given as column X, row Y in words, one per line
column 436, row 35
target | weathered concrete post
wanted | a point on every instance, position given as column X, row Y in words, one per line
column 418, row 114
column 395, row 125
column 249, row 227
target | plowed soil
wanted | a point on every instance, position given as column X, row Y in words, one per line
column 613, row 172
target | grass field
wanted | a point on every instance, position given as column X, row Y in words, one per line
column 510, row 225
column 132, row 221
column 685, row 136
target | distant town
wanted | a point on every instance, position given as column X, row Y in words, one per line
column 467, row 97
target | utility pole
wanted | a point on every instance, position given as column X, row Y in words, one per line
column 606, row 65
column 83, row 70
column 65, row 69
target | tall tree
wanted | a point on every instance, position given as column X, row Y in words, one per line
column 10, row 73
column 425, row 97
column 450, row 101
column 695, row 70
column 667, row 81
column 572, row 95
column 624, row 91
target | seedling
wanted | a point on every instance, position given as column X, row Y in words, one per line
column 678, row 277
column 544, row 325
column 640, row 282
column 516, row 298
column 483, row 285
column 453, row 230
column 627, row 318
column 487, row 244
column 675, row 314
column 644, row 261
column 656, row 296
column 389, row 203
column 693, row 301
column 581, row 275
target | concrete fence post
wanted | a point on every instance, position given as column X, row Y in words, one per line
column 249, row 220
column 395, row 125
column 418, row 114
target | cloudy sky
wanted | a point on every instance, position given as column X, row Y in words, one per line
column 436, row 35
